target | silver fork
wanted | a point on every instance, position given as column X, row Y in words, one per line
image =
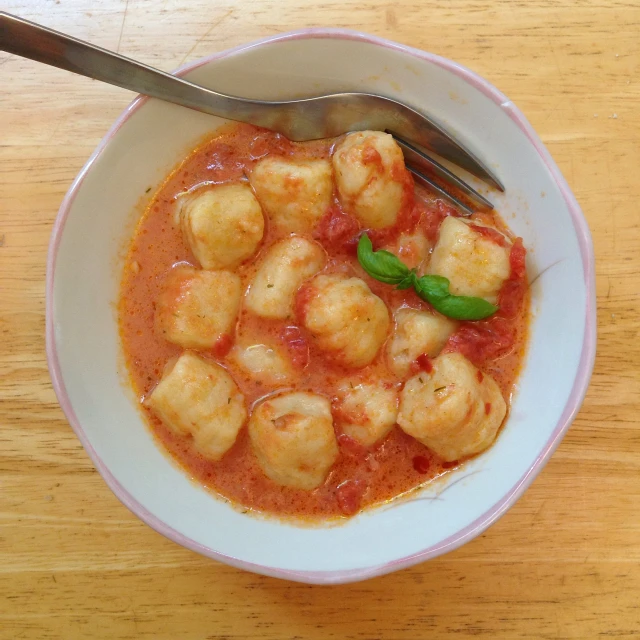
column 308, row 119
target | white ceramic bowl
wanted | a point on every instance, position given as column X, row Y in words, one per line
column 84, row 270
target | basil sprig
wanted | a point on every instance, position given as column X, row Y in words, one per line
column 385, row 267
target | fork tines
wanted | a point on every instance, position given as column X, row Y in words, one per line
column 421, row 164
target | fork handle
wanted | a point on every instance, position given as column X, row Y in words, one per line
column 36, row 42
column 307, row 119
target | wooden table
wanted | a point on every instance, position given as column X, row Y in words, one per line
column 563, row 563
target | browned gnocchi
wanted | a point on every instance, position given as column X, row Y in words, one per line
column 293, row 437
column 198, row 398
column 223, row 225
column 266, row 363
column 416, row 332
column 366, row 412
column 294, row 194
column 474, row 264
column 345, row 318
column 371, row 177
column 451, row 409
column 196, row 308
column 284, row 268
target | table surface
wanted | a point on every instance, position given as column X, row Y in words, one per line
column 563, row 563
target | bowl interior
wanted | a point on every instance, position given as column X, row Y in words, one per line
column 86, row 257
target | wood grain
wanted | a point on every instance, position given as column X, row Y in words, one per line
column 563, row 563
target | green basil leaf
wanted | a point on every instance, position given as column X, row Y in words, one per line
column 464, row 307
column 381, row 265
column 409, row 281
column 435, row 290
column 431, row 288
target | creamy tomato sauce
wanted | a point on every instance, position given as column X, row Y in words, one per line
column 360, row 477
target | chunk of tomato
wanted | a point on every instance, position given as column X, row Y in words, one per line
column 349, row 496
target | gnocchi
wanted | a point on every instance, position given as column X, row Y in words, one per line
column 198, row 398
column 371, row 177
column 285, row 267
column 198, row 309
column 265, row 363
column 366, row 412
column 293, row 438
column 455, row 410
column 474, row 264
column 412, row 248
column 295, row 194
column 345, row 318
column 416, row 333
column 223, row 225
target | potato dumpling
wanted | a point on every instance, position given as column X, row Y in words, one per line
column 416, row 332
column 411, row 248
column 198, row 397
column 265, row 363
column 196, row 309
column 371, row 177
column 293, row 439
column 366, row 412
column 455, row 410
column 294, row 193
column 286, row 266
column 223, row 225
column 345, row 318
column 474, row 264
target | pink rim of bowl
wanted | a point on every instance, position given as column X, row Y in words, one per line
column 572, row 406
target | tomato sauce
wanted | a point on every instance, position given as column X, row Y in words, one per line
column 360, row 477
